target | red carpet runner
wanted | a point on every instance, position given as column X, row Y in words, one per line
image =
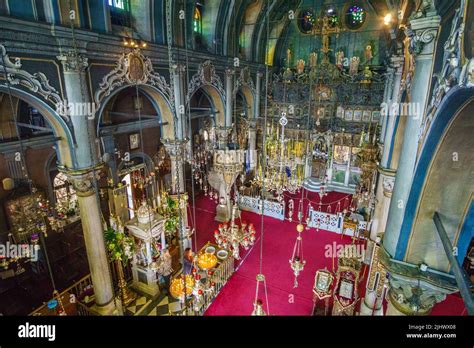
column 237, row 297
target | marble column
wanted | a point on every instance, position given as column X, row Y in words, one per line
column 179, row 104
column 383, row 195
column 79, row 108
column 81, row 113
column 423, row 34
column 93, row 229
column 229, row 100
column 386, row 100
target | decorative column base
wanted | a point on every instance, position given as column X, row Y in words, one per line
column 83, row 182
column 110, row 309
column 371, row 305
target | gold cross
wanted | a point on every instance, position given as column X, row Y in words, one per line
column 325, row 31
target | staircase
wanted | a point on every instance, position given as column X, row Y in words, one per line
column 314, row 185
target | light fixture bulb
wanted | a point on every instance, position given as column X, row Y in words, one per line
column 387, row 19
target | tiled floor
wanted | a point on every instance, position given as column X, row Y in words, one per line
column 145, row 305
column 165, row 306
column 138, row 305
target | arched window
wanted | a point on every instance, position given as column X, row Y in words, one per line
column 355, row 17
column 118, row 4
column 197, row 20
column 119, row 12
column 64, row 195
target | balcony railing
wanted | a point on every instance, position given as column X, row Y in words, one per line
column 79, row 287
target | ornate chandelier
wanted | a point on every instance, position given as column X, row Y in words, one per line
column 235, row 235
column 286, row 160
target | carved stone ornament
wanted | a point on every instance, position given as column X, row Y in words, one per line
column 452, row 72
column 132, row 68
column 83, row 182
column 36, row 83
column 206, row 75
column 176, row 149
column 413, row 299
column 73, row 62
column 420, row 38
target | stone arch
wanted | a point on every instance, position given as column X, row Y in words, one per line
column 245, row 85
column 65, row 140
column 159, row 101
column 135, row 70
column 211, row 84
column 441, row 183
column 36, row 90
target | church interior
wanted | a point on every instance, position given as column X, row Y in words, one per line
column 236, row 158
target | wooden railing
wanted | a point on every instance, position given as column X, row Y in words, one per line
column 78, row 288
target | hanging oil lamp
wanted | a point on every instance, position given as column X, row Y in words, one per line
column 296, row 262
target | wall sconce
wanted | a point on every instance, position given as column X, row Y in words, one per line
column 135, row 44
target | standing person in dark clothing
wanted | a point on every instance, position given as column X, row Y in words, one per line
column 188, row 261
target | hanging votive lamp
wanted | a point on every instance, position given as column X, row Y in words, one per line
column 258, row 304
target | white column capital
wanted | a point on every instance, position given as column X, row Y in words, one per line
column 178, row 69
column 73, row 62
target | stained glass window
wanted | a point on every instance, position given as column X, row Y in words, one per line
column 119, row 12
column 306, row 21
column 119, row 4
column 355, row 17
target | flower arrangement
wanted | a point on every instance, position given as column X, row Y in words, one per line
column 119, row 245
column 171, row 213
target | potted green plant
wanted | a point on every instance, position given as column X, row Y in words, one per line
column 120, row 247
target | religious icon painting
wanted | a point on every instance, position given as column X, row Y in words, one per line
column 349, row 115
column 346, row 289
column 340, row 112
column 357, row 115
column 366, row 116
column 134, row 141
column 323, row 281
